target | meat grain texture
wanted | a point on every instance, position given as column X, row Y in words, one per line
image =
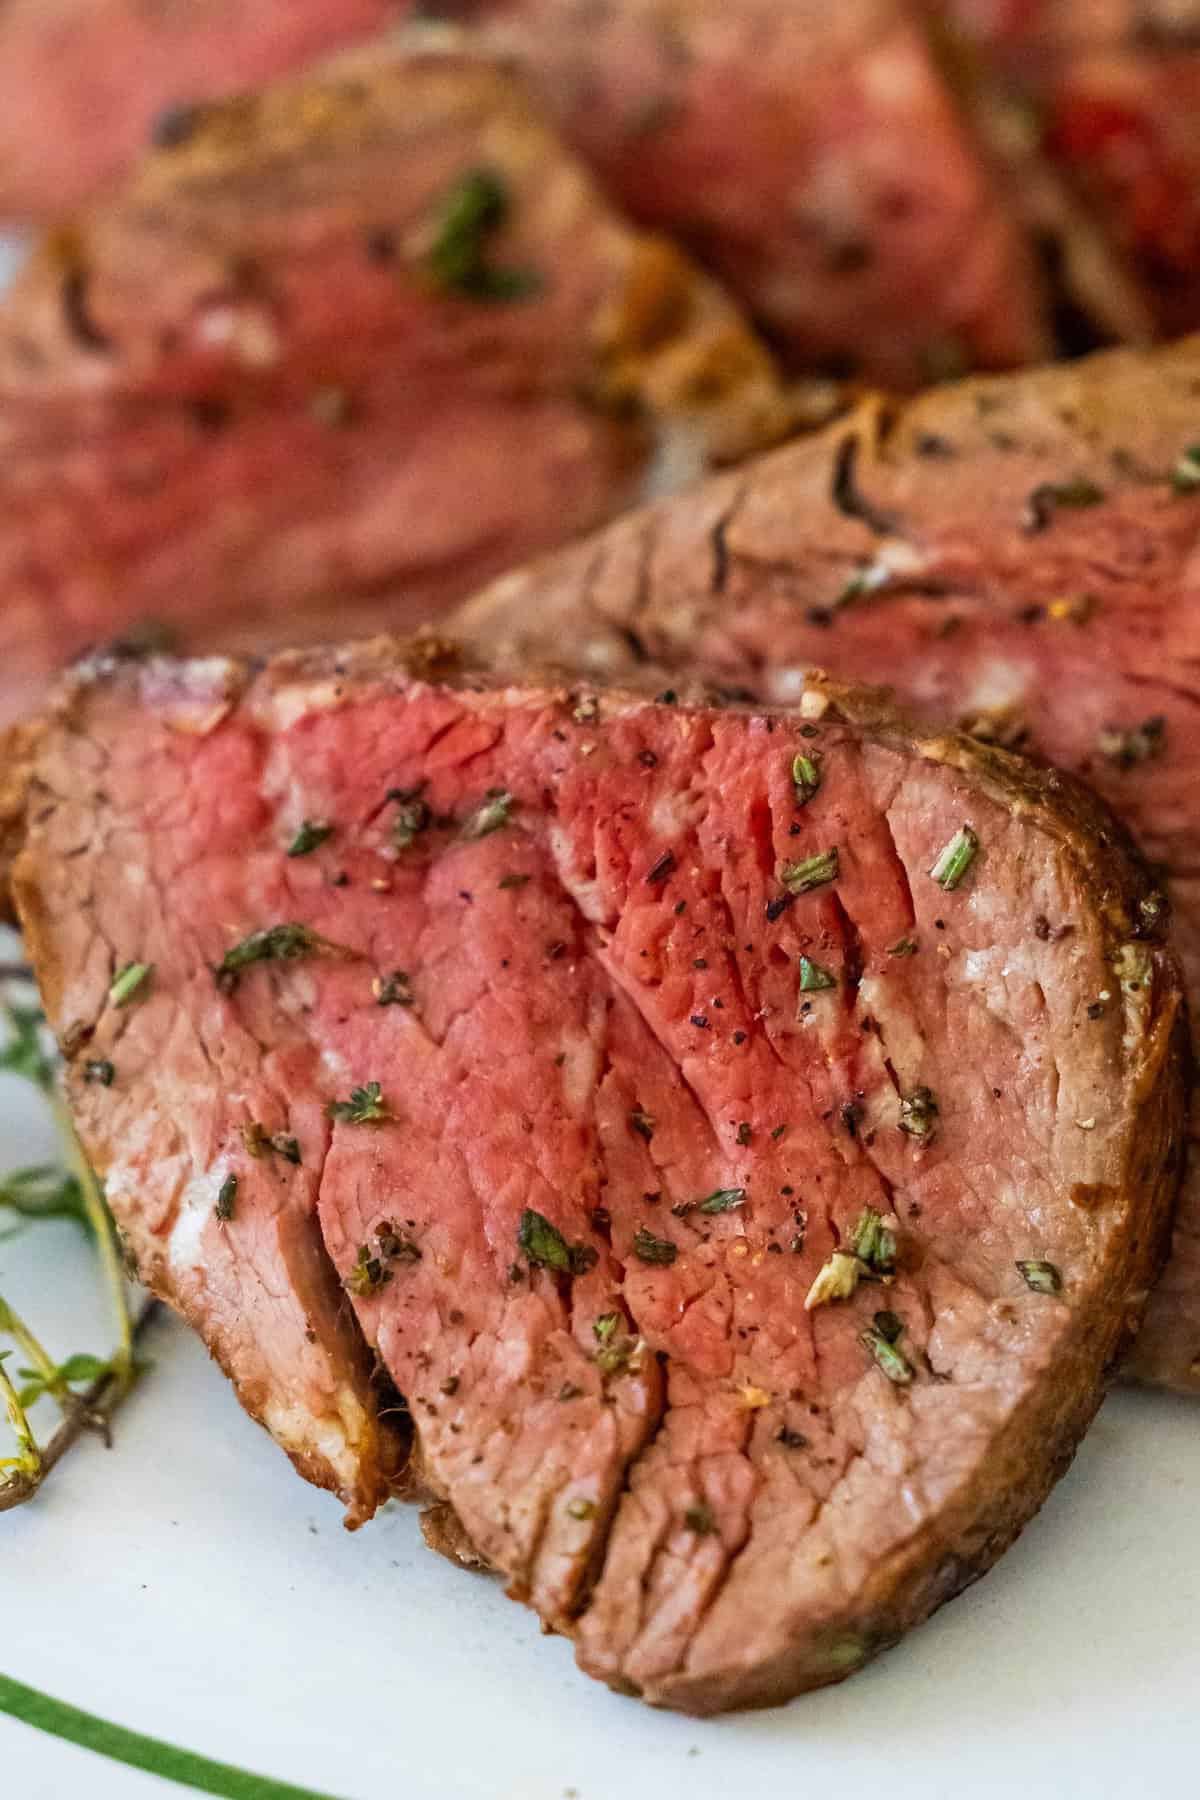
column 369, row 333
column 1020, row 556
column 597, row 1037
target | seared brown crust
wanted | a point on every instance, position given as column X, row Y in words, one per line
column 1039, row 1435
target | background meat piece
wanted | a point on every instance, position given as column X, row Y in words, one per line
column 368, row 334
column 84, row 82
column 599, row 1033
column 810, row 154
column 1021, row 554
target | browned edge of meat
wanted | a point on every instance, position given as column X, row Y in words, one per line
column 208, row 762
column 1019, row 554
column 340, row 351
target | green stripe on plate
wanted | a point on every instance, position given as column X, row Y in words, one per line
column 151, row 1754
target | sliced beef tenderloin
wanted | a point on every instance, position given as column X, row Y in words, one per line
column 1020, row 555
column 810, row 154
column 747, row 1194
column 368, row 333
column 84, row 83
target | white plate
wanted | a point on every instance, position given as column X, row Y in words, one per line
column 186, row 1584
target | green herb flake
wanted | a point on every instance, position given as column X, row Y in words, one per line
column 699, row 1518
column 580, row 1508
column 310, row 836
column 806, row 777
column 129, row 982
column 100, row 1072
column 366, row 1106
column 367, row 1274
column 1042, row 1277
column 918, row 1114
column 23, row 1053
column 650, row 1249
column 494, row 813
column 513, row 881
column 813, row 872
column 412, row 816
column 1050, row 497
column 873, row 1243
column 743, row 1133
column 642, row 1123
column 272, row 943
column 1137, row 744
column 545, row 1246
column 814, row 977
column 394, row 1246
column 226, row 1198
column 604, row 1328
column 470, row 215
column 1185, row 476
column 904, row 946
column 894, row 1365
column 889, row 1326
column 956, row 858
column 836, row 1279
column 258, row 1143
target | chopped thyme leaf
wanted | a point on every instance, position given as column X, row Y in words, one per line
column 411, row 817
column 285, row 1146
column 896, row 1367
column 642, row 1123
column 367, row 1274
column 955, row 858
column 128, row 982
column 791, row 1440
column 568, row 1391
column 1185, row 476
column 450, row 1386
column 101, row 1072
column 472, row 211
column 661, row 869
column 872, row 1242
column 545, row 1245
column 889, row 1326
column 580, row 1508
column 392, row 990
column 918, row 1114
column 366, row 1106
column 513, row 881
column 258, row 1143
column 699, row 1518
column 310, row 837
column 226, row 1198
column 806, row 777
column 494, row 812
column 394, row 1246
column 904, row 946
column 721, row 1201
column 650, row 1249
column 814, row 977
column 1042, row 1277
column 837, row 1278
column 1136, row 745
column 604, row 1327
column 272, row 943
column 813, row 872
column 743, row 1133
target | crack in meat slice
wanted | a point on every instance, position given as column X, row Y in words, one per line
column 253, row 391
column 580, row 1138
column 1041, row 586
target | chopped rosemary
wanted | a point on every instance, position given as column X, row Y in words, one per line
column 814, row 977
column 650, row 1249
column 956, row 858
column 894, row 1365
column 873, row 1243
column 545, row 1245
column 128, row 982
column 837, row 1278
column 472, row 211
column 366, row 1106
column 226, row 1198
column 813, row 872
column 721, row 1201
column 367, row 1273
column 272, row 943
column 411, row 817
column 904, row 946
column 918, row 1114
column 494, row 812
column 806, row 777
column 1042, row 1277
column 310, row 836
